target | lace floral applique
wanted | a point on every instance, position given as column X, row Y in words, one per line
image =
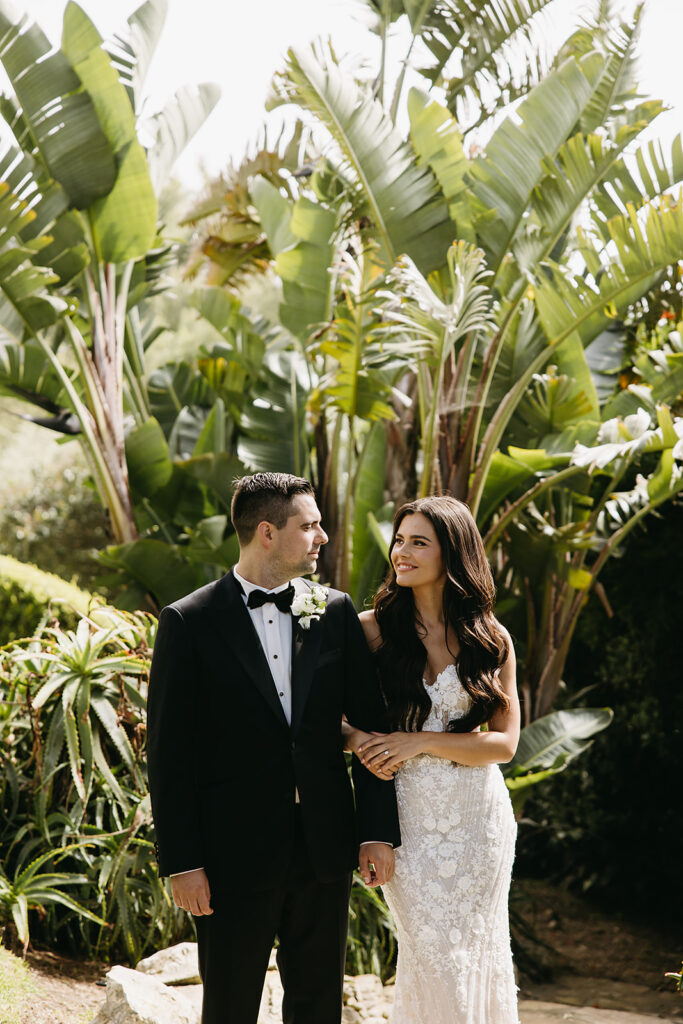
column 449, row 893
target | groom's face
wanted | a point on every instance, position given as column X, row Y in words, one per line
column 296, row 546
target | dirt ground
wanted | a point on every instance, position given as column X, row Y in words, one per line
column 586, row 941
column 592, row 959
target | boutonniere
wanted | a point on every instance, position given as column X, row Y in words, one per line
column 309, row 607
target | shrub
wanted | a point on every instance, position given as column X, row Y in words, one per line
column 29, row 596
column 55, row 525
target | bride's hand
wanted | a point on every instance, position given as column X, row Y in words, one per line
column 354, row 739
column 388, row 751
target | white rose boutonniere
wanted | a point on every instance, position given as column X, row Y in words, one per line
column 309, row 607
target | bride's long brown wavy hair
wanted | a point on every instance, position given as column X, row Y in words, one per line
column 468, row 598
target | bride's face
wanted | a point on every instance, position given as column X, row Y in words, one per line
column 416, row 553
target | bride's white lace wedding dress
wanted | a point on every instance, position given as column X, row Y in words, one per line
column 449, row 895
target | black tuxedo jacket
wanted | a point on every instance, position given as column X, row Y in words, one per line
column 223, row 762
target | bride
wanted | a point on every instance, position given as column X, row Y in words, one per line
column 447, row 667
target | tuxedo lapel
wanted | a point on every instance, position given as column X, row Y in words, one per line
column 305, row 649
column 242, row 640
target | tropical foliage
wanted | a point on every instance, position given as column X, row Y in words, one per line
column 75, row 842
column 80, row 252
column 447, row 315
column 457, row 310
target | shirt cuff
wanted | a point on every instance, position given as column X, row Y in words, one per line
column 377, row 842
column 177, row 874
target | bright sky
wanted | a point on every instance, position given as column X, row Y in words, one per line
column 239, row 45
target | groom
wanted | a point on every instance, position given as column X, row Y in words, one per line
column 252, row 804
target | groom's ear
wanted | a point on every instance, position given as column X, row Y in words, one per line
column 265, row 533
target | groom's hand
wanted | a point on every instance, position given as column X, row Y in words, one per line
column 191, row 892
column 376, row 863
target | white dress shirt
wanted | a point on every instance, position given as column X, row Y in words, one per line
column 274, row 629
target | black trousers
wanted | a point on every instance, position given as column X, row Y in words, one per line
column 310, row 920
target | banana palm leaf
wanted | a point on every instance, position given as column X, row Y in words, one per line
column 503, row 180
column 124, row 222
column 617, row 85
column 301, row 238
column 59, row 116
column 487, row 37
column 133, row 48
column 438, row 143
column 556, row 739
column 640, row 248
column 367, row 562
column 402, row 200
column 273, row 432
column 62, row 245
column 584, row 167
column 174, row 126
column 654, row 174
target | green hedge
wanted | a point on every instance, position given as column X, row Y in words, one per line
column 28, row 595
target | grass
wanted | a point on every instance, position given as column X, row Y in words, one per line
column 16, row 985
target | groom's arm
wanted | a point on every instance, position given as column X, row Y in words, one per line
column 376, row 810
column 172, row 739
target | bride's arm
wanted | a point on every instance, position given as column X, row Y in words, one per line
column 495, row 746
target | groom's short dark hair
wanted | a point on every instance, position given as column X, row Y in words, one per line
column 264, row 496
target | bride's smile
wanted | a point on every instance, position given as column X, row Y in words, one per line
column 416, row 553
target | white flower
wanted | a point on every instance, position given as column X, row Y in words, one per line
column 616, row 438
column 447, row 869
column 677, row 450
column 309, row 607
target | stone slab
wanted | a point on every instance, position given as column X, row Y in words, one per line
column 176, row 965
column 136, row 998
column 532, row 1012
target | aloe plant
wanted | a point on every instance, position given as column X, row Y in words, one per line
column 30, row 888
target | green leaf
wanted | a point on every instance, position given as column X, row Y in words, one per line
column 641, row 246
column 147, row 457
column 486, row 41
column 174, row 126
column 109, row 719
column 367, row 564
column 63, row 123
column 402, row 200
column 504, row 179
column 135, row 46
column 560, row 735
column 160, row 568
column 438, row 143
column 125, row 221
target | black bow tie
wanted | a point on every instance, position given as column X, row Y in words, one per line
column 282, row 600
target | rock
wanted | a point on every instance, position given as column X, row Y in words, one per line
column 177, row 965
column 350, row 1016
column 365, row 994
column 270, row 1011
column 135, row 998
column 194, row 995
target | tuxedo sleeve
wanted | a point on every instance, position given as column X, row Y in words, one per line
column 376, row 810
column 172, row 740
